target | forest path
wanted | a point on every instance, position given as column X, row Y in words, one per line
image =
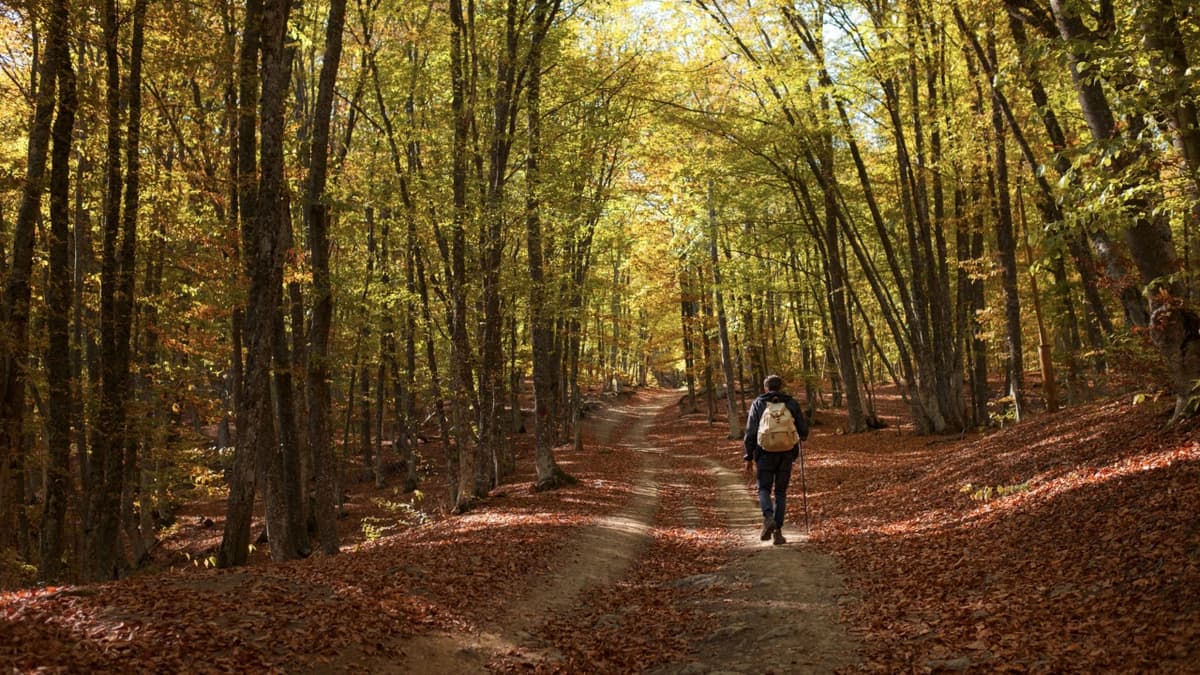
column 774, row 607
column 777, row 606
column 599, row 555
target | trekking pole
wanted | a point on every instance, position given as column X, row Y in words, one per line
column 804, row 493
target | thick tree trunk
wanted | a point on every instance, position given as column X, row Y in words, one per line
column 290, row 488
column 1175, row 328
column 1164, row 39
column 14, row 526
column 545, row 366
column 274, row 445
column 462, row 379
column 245, row 475
column 58, row 306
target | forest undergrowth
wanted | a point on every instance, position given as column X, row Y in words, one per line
column 1067, row 543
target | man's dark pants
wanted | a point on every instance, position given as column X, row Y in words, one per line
column 774, row 471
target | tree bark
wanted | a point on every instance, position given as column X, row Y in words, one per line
column 735, row 427
column 1175, row 328
column 686, row 319
column 244, row 477
column 58, row 307
column 1163, row 38
column 463, row 381
column 317, row 221
column 14, row 526
column 545, row 366
column 1006, row 248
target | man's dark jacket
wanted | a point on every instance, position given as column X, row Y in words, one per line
column 753, row 451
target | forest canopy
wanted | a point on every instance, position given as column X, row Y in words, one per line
column 281, row 239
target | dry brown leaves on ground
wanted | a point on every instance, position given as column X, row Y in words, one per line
column 448, row 574
column 1068, row 543
column 645, row 619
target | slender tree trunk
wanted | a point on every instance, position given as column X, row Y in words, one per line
column 379, row 466
column 979, row 350
column 432, row 363
column 735, row 427
column 317, row 221
column 689, row 348
column 103, row 558
column 84, row 350
column 363, row 402
column 1007, row 249
column 1045, row 350
column 710, row 387
column 839, row 314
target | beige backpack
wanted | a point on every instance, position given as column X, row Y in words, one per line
column 777, row 429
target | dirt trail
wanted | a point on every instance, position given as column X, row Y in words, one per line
column 776, row 605
column 600, row 554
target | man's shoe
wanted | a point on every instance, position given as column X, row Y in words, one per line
column 768, row 528
column 779, row 536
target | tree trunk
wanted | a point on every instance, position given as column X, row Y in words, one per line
column 1175, row 328
column 58, row 306
column 14, row 526
column 1007, row 252
column 103, row 558
column 265, row 299
column 710, row 387
column 1164, row 39
column 689, row 349
column 317, row 220
column 462, row 379
column 545, row 367
column 735, row 428
column 245, row 475
column 839, row 315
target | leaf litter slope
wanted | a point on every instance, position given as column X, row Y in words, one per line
column 1091, row 565
column 1089, row 561
column 451, row 574
column 528, row 581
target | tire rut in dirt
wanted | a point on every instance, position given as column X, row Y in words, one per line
column 601, row 553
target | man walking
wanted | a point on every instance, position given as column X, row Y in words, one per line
column 773, row 433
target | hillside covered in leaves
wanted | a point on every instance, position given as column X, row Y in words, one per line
column 1083, row 555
